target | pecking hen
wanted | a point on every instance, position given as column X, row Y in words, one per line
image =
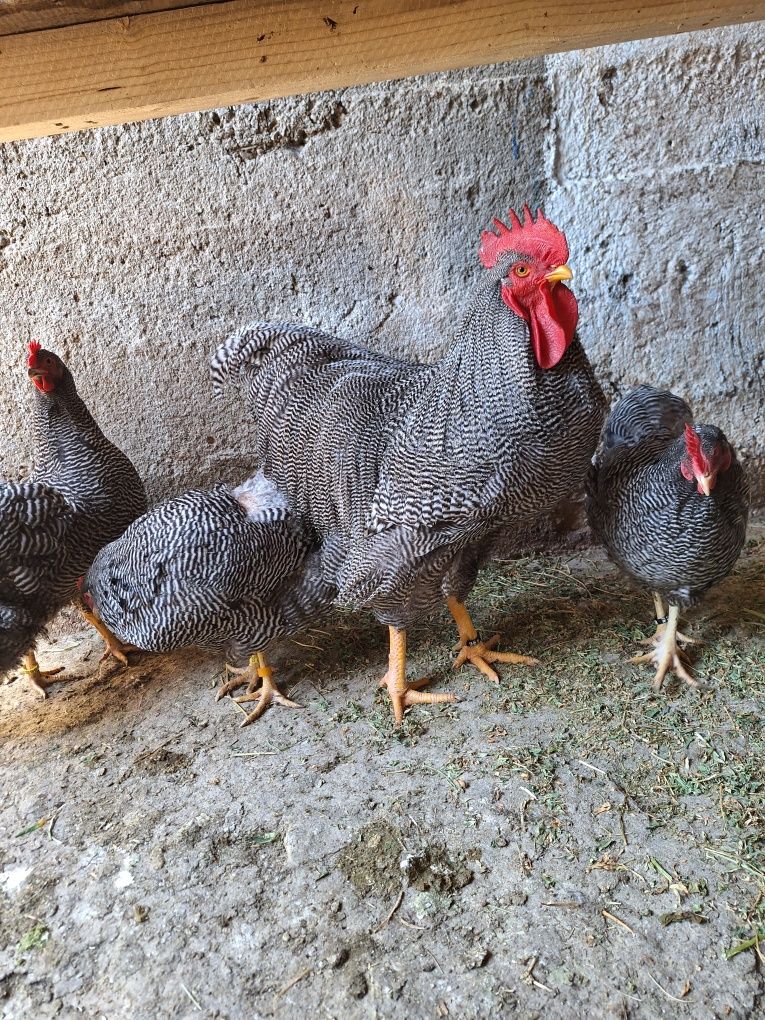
column 669, row 500
column 408, row 473
column 82, row 493
column 230, row 569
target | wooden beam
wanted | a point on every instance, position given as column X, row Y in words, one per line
column 197, row 58
column 34, row 15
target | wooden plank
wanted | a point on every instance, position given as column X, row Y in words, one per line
column 197, row 58
column 33, row 15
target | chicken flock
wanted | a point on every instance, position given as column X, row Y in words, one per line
column 376, row 485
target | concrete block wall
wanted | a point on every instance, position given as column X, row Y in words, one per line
column 656, row 164
column 133, row 251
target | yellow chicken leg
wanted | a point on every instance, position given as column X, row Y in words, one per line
column 258, row 676
column 114, row 646
column 402, row 694
column 36, row 677
column 661, row 625
column 480, row 653
column 666, row 654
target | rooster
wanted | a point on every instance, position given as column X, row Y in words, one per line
column 409, row 473
column 229, row 569
column 669, row 500
column 82, row 493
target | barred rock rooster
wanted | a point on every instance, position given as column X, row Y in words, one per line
column 669, row 500
column 409, row 473
column 82, row 493
column 229, row 569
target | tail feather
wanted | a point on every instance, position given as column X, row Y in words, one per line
column 244, row 351
column 645, row 412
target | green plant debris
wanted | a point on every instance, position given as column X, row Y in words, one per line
column 262, row 838
column 32, row 828
column 752, row 943
column 34, row 939
column 675, row 916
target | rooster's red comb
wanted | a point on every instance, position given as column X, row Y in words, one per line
column 693, row 446
column 538, row 238
column 34, row 348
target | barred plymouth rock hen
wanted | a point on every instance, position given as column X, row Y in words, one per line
column 669, row 500
column 227, row 569
column 83, row 493
column 407, row 472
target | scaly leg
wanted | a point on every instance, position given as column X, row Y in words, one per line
column 261, row 688
column 36, row 677
column 114, row 646
column 661, row 623
column 400, row 692
column 480, row 653
column 666, row 655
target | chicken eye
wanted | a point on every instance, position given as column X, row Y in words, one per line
column 521, row 269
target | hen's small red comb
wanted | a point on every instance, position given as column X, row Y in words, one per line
column 34, row 349
column 537, row 238
column 693, row 446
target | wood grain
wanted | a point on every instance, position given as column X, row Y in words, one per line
column 197, row 58
column 33, row 15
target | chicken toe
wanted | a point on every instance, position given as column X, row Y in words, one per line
column 667, row 655
column 258, row 676
column 38, row 678
column 113, row 647
column 401, row 693
column 480, row 654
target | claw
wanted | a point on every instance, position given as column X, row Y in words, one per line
column 117, row 650
column 113, row 647
column 482, row 654
column 258, row 678
column 402, row 694
column 666, row 654
column 269, row 693
column 38, row 678
column 240, row 678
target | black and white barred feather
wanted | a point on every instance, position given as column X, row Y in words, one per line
column 82, row 493
column 655, row 525
column 228, row 569
column 408, row 472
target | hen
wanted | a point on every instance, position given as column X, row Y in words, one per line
column 229, row 569
column 669, row 500
column 82, row 493
column 408, row 473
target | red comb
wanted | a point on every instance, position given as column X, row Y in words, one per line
column 537, row 238
column 34, row 347
column 693, row 446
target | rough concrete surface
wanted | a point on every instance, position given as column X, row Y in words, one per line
column 563, row 844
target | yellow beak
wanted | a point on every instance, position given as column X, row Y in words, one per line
column 559, row 273
column 707, row 483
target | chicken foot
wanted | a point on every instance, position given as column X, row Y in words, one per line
column 113, row 646
column 258, row 676
column 480, row 654
column 661, row 625
column 667, row 655
column 38, row 678
column 402, row 694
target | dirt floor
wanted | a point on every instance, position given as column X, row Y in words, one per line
column 563, row 844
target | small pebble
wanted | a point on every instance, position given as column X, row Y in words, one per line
column 338, row 958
